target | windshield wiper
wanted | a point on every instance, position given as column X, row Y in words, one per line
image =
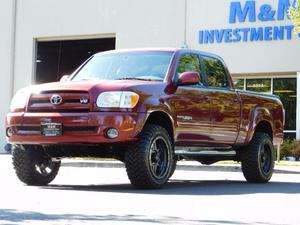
column 137, row 78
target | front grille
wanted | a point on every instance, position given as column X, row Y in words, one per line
column 27, row 128
column 72, row 101
column 92, row 129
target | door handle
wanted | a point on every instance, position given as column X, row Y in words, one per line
column 235, row 100
column 206, row 98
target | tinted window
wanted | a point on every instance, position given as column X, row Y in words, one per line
column 215, row 72
column 189, row 62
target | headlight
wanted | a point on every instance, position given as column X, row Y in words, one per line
column 117, row 99
column 19, row 100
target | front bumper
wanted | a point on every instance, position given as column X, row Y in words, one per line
column 78, row 128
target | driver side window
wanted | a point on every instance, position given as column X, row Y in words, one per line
column 188, row 63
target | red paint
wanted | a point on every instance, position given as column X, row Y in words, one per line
column 189, row 78
column 200, row 115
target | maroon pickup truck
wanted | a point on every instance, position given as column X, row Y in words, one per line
column 148, row 108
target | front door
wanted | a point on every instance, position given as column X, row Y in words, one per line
column 225, row 106
column 192, row 108
column 191, row 105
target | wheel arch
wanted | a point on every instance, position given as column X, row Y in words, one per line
column 264, row 126
column 163, row 119
column 261, row 121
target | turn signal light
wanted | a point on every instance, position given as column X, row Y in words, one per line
column 9, row 132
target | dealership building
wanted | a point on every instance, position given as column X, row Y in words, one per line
column 42, row 40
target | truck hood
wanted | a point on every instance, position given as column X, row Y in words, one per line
column 95, row 87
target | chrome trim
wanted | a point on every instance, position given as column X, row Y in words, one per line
column 206, row 152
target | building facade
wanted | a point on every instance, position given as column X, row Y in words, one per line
column 41, row 39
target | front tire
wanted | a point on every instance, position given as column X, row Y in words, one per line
column 257, row 159
column 33, row 166
column 150, row 162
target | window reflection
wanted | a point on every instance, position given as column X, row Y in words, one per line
column 215, row 72
column 259, row 85
column 286, row 89
column 189, row 62
column 240, row 84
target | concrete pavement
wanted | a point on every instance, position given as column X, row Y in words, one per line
column 181, row 165
column 98, row 195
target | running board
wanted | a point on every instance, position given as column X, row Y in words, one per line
column 206, row 152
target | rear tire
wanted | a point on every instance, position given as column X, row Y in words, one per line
column 257, row 159
column 33, row 166
column 150, row 161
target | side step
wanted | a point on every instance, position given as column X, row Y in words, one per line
column 205, row 152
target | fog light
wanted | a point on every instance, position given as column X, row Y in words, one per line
column 112, row 133
column 9, row 132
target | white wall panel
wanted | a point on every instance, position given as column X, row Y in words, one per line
column 6, row 60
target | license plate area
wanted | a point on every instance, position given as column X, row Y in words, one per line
column 51, row 129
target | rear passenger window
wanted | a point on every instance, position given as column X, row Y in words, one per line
column 215, row 72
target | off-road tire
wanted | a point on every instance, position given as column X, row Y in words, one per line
column 150, row 161
column 33, row 166
column 257, row 159
column 173, row 168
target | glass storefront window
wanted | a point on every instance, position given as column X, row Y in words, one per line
column 259, row 85
column 290, row 135
column 240, row 84
column 286, row 89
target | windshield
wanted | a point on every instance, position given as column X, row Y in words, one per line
column 128, row 65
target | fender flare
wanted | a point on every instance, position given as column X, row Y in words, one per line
column 158, row 105
column 259, row 114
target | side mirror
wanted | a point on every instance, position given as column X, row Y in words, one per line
column 189, row 78
column 64, row 78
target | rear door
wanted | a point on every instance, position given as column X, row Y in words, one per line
column 224, row 103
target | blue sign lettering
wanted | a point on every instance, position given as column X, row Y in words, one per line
column 256, row 34
column 236, row 11
column 289, row 30
column 266, row 13
column 219, row 35
column 209, row 36
column 268, row 33
column 278, row 33
column 246, row 34
column 283, row 6
column 247, row 12
column 237, row 35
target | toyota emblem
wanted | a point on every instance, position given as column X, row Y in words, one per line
column 56, row 99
